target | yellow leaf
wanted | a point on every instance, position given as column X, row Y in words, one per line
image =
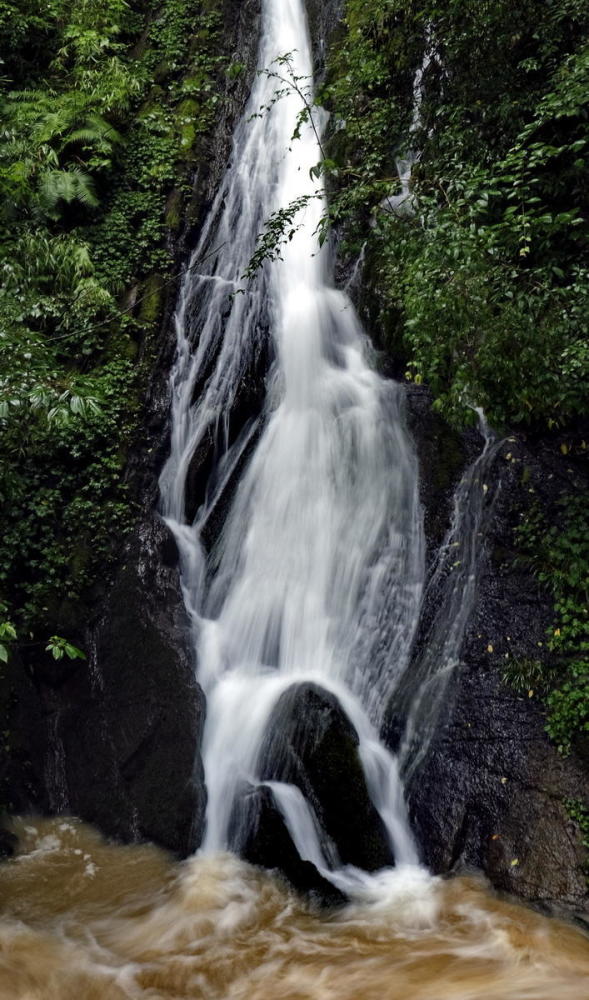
column 489, row 648
column 515, row 862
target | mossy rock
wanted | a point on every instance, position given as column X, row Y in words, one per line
column 174, row 210
column 151, row 300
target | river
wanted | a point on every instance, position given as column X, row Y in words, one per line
column 86, row 920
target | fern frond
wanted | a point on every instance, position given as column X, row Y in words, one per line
column 68, row 186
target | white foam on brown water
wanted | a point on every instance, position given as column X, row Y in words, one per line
column 85, row 920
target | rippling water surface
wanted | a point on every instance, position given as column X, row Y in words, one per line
column 82, row 920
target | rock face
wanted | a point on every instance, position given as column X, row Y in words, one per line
column 115, row 739
column 490, row 793
column 490, row 796
column 266, row 842
column 131, row 733
column 324, row 18
column 313, row 745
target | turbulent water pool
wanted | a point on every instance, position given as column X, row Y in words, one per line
column 86, row 920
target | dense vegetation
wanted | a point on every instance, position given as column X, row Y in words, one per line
column 558, row 551
column 103, row 105
column 484, row 284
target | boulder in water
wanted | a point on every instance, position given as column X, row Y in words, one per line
column 259, row 832
column 312, row 744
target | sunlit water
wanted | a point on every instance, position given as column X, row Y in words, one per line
column 83, row 920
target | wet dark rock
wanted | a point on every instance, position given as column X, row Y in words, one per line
column 490, row 796
column 261, row 837
column 144, row 710
column 491, row 792
column 312, row 744
column 8, row 843
column 54, row 673
column 443, row 453
column 218, row 511
column 324, row 18
column 117, row 741
column 199, row 470
column 235, row 426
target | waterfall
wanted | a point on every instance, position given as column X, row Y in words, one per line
column 448, row 602
column 402, row 205
column 318, row 573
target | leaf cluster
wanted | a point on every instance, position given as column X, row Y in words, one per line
column 103, row 104
column 559, row 555
column 485, row 278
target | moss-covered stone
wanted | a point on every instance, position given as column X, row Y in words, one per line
column 173, row 211
column 151, row 300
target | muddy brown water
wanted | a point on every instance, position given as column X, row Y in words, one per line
column 82, row 919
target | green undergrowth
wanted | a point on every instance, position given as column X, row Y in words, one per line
column 579, row 812
column 558, row 553
column 105, row 108
column 483, row 288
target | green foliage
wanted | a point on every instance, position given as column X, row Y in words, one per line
column 59, row 648
column 489, row 277
column 103, row 104
column 559, row 555
column 279, row 230
column 484, row 277
column 56, row 645
column 579, row 812
column 527, row 675
column 8, row 635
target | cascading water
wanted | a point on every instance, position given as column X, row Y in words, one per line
column 319, row 569
column 448, row 601
column 317, row 575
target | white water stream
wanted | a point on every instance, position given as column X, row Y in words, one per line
column 318, row 572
